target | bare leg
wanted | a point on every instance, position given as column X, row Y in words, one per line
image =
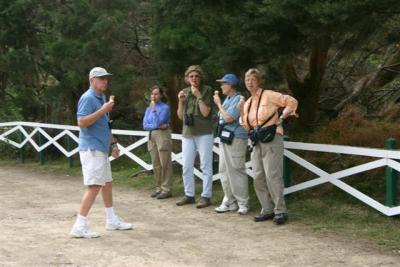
column 106, row 192
column 113, row 221
column 88, row 199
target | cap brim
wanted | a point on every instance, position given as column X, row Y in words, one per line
column 104, row 75
column 221, row 81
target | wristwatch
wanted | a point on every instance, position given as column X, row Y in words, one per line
column 114, row 145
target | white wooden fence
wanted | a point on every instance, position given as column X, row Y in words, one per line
column 382, row 157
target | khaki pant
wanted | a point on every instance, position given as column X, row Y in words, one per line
column 233, row 172
column 160, row 147
column 267, row 162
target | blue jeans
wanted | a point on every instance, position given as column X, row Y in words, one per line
column 190, row 146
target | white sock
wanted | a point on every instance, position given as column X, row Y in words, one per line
column 110, row 214
column 80, row 220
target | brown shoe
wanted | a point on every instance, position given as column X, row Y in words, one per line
column 155, row 194
column 164, row 195
column 185, row 200
column 203, row 202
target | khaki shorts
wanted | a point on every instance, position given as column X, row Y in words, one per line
column 96, row 168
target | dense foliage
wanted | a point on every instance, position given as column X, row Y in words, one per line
column 48, row 47
column 328, row 54
column 295, row 42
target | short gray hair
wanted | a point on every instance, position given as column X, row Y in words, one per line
column 193, row 68
column 255, row 72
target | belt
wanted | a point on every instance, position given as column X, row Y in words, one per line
column 157, row 129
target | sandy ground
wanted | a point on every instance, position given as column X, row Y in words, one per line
column 37, row 211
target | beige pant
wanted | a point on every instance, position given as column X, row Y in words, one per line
column 233, row 172
column 267, row 162
column 160, row 147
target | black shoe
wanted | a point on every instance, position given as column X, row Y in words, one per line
column 280, row 218
column 263, row 217
column 155, row 194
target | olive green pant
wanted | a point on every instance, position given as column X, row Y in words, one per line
column 267, row 163
column 160, row 147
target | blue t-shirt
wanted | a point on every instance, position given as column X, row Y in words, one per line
column 153, row 119
column 98, row 135
column 230, row 107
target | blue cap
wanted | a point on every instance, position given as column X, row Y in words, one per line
column 229, row 79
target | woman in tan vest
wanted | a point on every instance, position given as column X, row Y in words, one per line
column 260, row 116
column 195, row 110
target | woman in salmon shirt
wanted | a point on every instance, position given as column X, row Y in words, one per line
column 260, row 116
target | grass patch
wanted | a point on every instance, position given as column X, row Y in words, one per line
column 340, row 214
column 325, row 209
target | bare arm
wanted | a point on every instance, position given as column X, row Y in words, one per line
column 225, row 115
column 114, row 147
column 240, row 106
column 88, row 120
column 181, row 98
column 204, row 109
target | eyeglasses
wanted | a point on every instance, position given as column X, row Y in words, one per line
column 194, row 76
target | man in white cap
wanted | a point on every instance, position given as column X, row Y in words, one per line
column 94, row 145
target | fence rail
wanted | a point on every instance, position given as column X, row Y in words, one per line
column 385, row 158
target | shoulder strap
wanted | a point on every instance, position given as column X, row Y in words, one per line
column 187, row 101
column 258, row 106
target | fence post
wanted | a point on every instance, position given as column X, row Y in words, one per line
column 21, row 150
column 148, row 158
column 286, row 168
column 70, row 159
column 41, row 153
column 391, row 177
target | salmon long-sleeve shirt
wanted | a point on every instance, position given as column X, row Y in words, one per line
column 270, row 102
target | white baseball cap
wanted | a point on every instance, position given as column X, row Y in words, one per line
column 98, row 72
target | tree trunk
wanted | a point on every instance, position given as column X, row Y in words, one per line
column 371, row 82
column 174, row 85
column 307, row 91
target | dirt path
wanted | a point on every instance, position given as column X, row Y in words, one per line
column 37, row 211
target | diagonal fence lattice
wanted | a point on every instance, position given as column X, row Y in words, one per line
column 384, row 158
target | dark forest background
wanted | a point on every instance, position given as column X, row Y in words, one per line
column 340, row 59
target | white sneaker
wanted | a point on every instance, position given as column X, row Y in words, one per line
column 243, row 210
column 82, row 231
column 225, row 208
column 118, row 224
